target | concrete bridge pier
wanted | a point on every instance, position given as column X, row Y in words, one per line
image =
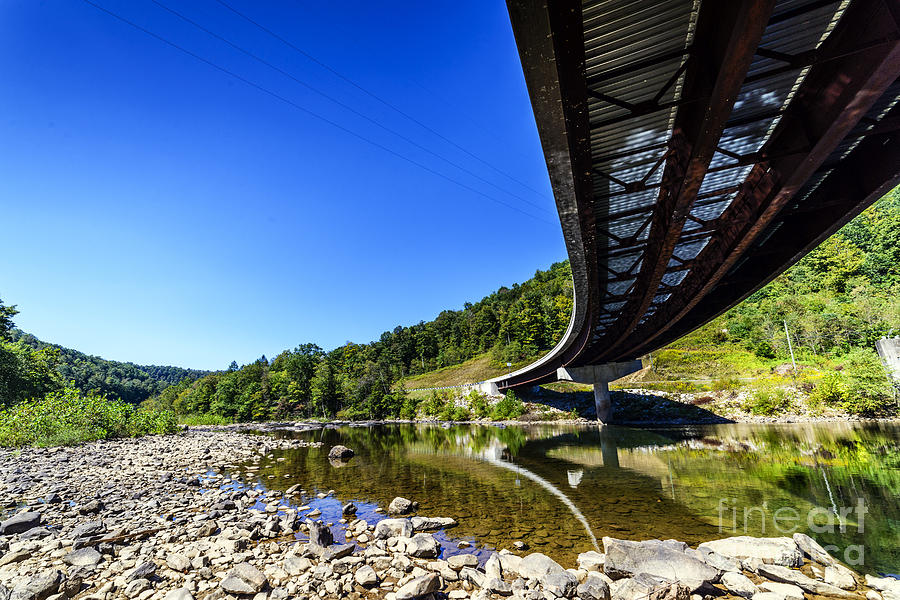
column 599, row 376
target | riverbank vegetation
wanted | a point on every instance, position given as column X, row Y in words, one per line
column 40, row 407
column 70, row 416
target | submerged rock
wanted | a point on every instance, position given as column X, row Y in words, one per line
column 340, row 453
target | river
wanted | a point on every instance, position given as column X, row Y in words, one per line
column 561, row 488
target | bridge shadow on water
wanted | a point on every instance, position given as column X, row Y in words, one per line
column 629, row 408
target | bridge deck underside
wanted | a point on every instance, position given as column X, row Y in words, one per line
column 698, row 148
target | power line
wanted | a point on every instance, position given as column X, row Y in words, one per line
column 376, row 97
column 339, row 103
column 309, row 112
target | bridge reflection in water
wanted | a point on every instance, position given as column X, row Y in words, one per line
column 560, row 489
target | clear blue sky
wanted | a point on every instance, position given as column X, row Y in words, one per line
column 157, row 210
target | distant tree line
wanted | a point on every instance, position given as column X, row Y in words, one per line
column 358, row 380
column 30, row 368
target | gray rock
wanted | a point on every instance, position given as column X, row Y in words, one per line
column 87, row 529
column 418, row 587
column 337, row 551
column 593, row 588
column 320, row 535
column 181, row 593
column 739, row 584
column 537, row 566
column 812, row 549
column 366, row 576
column 423, row 545
column 392, row 528
column 20, row 523
column 39, row 587
column 340, row 452
column 143, row 571
column 236, row 585
column 663, row 559
column 14, row 557
column 136, row 587
column 778, row 551
column 560, row 583
column 296, row 565
column 249, row 574
column 784, row 575
column 786, row 591
column 401, row 506
column 207, row 528
column 178, row 562
column 348, row 509
column 495, row 585
column 458, row 561
column 591, row 561
column 83, row 557
column 92, row 507
column 650, row 587
column 492, row 567
column 432, row 523
column 472, row 576
column 717, row 561
column 840, row 576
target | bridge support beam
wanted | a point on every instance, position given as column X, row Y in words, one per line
column 599, row 376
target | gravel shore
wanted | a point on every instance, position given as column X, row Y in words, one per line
column 158, row 518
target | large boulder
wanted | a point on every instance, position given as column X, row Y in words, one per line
column 775, row 551
column 666, row 559
column 423, row 545
column 418, row 587
column 20, row 523
column 537, row 566
column 39, row 587
column 401, row 506
column 393, row 528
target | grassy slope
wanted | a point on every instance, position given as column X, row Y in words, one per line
column 475, row 369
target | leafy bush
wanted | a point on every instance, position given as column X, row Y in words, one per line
column 868, row 387
column 452, row 412
column 768, row 402
column 510, row 407
column 409, row 408
column 204, row 419
column 831, row 390
column 479, row 405
column 70, row 416
column 435, row 404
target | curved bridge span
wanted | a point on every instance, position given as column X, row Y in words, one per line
column 697, row 149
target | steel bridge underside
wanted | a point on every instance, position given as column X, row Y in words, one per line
column 698, row 148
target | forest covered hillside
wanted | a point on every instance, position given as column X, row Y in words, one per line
column 125, row 381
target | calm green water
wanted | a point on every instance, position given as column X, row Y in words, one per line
column 561, row 488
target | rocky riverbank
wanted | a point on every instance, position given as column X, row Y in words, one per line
column 169, row 518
